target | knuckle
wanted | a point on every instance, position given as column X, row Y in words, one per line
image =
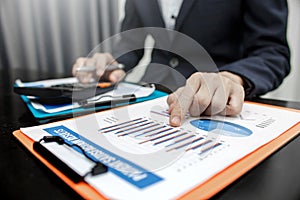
column 108, row 56
column 240, row 87
column 194, row 112
column 242, row 91
column 226, row 81
column 178, row 92
column 235, row 109
column 184, row 99
column 217, row 106
column 80, row 60
column 99, row 56
column 175, row 110
column 216, row 78
column 202, row 100
column 171, row 99
column 239, row 91
column 196, row 75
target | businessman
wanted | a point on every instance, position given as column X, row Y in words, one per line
column 245, row 38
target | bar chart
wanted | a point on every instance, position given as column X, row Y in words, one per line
column 147, row 133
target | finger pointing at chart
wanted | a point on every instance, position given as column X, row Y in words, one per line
column 207, row 93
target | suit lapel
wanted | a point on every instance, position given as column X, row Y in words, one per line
column 184, row 11
column 150, row 14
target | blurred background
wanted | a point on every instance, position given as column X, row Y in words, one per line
column 48, row 35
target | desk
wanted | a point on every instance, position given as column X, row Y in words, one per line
column 25, row 177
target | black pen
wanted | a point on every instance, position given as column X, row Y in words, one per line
column 114, row 101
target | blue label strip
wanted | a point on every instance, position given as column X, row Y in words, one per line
column 121, row 167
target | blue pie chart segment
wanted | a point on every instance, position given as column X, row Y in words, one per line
column 223, row 127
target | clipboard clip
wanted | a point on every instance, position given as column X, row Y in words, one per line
column 99, row 168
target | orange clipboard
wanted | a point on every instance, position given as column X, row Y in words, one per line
column 82, row 188
column 204, row 190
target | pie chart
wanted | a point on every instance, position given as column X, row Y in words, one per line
column 221, row 127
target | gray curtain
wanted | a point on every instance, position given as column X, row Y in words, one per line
column 48, row 35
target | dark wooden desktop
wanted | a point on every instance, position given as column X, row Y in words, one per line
column 25, row 177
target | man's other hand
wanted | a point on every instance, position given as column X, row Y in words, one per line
column 99, row 62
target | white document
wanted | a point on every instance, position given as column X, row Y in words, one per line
column 148, row 159
column 121, row 89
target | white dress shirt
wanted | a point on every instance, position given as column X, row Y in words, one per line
column 170, row 10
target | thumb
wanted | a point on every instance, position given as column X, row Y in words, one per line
column 116, row 75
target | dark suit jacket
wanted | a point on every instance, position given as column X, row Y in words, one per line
column 246, row 37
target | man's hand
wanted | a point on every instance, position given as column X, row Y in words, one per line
column 209, row 94
column 100, row 62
